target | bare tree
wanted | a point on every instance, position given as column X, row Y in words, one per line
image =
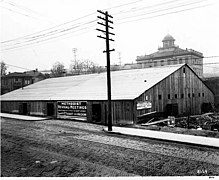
column 84, row 67
column 58, row 69
column 3, row 68
column 76, row 67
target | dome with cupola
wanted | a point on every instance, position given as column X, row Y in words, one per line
column 168, row 37
column 168, row 41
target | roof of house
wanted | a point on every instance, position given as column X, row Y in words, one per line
column 24, row 74
column 16, row 74
column 126, row 85
column 34, row 73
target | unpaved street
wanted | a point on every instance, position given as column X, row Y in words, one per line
column 68, row 148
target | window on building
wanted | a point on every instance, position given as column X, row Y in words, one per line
column 199, row 94
column 182, row 95
column 175, row 96
column 193, row 94
column 184, row 70
column 189, row 95
column 168, row 96
column 165, row 44
column 159, row 97
column 195, row 61
column 203, row 94
column 27, row 81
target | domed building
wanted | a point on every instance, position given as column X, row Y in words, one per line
column 168, row 41
column 171, row 54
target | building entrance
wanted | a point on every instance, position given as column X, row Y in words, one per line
column 50, row 109
column 206, row 107
column 24, row 108
column 96, row 112
column 172, row 110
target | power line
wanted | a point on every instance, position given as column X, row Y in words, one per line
column 53, row 34
column 122, row 5
column 211, row 57
column 146, row 7
column 28, row 12
column 48, row 28
column 185, row 60
column 163, row 5
column 26, row 15
column 49, row 39
column 20, row 7
column 70, row 22
column 45, row 41
column 37, row 37
column 173, row 12
column 49, row 36
column 17, row 66
column 160, row 9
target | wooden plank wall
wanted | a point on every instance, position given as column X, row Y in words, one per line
column 38, row 108
column 10, row 107
column 179, row 86
column 122, row 111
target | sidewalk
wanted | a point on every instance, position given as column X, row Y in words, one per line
column 21, row 117
column 189, row 139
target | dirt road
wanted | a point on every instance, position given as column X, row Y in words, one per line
column 67, row 148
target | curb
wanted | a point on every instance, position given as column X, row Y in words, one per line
column 18, row 119
column 164, row 140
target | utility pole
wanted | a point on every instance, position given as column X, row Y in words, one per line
column 75, row 53
column 120, row 62
column 107, row 51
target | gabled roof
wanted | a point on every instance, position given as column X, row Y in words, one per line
column 34, row 73
column 24, row 74
column 17, row 74
column 126, row 85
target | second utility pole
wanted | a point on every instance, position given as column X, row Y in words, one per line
column 106, row 32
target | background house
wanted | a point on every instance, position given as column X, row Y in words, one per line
column 16, row 80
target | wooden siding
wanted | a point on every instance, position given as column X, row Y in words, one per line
column 178, row 86
column 36, row 108
column 10, row 107
column 122, row 111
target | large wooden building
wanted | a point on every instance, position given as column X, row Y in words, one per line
column 171, row 90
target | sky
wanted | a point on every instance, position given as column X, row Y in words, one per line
column 38, row 33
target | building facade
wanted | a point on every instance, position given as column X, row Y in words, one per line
column 171, row 54
column 16, row 80
column 169, row 90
